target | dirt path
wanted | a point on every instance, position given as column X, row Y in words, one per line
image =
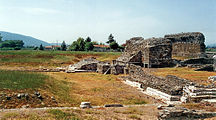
column 147, row 111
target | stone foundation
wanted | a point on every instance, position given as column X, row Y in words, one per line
column 180, row 113
column 171, row 85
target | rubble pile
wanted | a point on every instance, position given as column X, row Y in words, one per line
column 9, row 99
column 89, row 64
column 180, row 113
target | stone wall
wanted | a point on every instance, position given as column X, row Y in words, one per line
column 89, row 64
column 171, row 85
column 103, row 67
column 153, row 52
column 187, row 44
column 117, row 69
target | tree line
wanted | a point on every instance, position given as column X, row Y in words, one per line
column 13, row 44
column 80, row 44
column 87, row 44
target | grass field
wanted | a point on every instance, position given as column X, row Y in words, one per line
column 16, row 80
column 187, row 73
column 72, row 89
column 97, row 88
column 30, row 58
column 68, row 89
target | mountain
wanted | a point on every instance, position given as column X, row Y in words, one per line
column 211, row 45
column 28, row 40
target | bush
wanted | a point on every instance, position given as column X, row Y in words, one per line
column 17, row 48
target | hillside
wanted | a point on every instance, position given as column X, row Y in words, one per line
column 29, row 41
column 212, row 45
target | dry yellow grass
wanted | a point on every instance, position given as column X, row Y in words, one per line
column 186, row 73
column 99, row 89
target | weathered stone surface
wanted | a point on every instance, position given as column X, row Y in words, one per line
column 193, row 93
column 85, row 105
column 89, row 64
column 171, row 85
column 153, row 52
column 187, row 44
column 180, row 113
column 214, row 65
column 103, row 68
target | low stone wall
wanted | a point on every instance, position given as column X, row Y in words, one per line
column 91, row 66
column 171, row 85
column 161, row 95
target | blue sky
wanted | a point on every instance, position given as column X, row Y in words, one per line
column 58, row 20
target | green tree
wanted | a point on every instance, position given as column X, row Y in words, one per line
column 81, row 44
column 88, row 39
column 110, row 39
column 63, row 46
column 5, row 44
column 41, row 47
column 74, row 46
column 19, row 43
column 114, row 45
column 89, row 46
column 12, row 43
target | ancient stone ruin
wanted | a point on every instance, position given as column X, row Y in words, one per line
column 89, row 64
column 187, row 44
column 153, row 52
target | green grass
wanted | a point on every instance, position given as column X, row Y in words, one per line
column 17, row 80
column 52, row 58
column 60, row 115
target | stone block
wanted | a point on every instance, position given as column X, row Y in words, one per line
column 85, row 105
